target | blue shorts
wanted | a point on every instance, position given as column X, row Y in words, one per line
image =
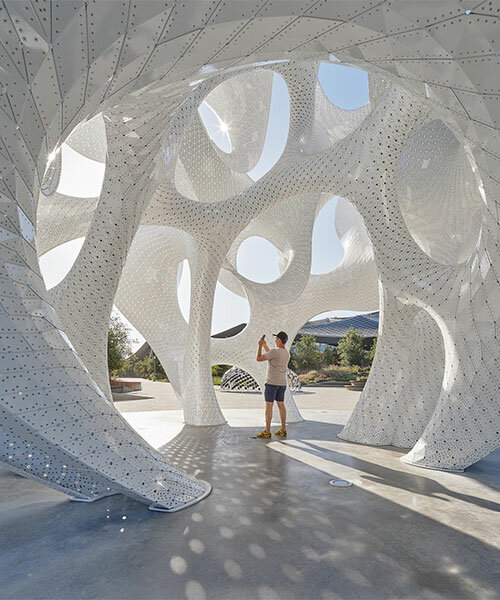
column 274, row 392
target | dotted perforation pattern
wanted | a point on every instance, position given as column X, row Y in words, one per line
column 429, row 242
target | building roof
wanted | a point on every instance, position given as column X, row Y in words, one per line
column 142, row 352
column 331, row 330
column 232, row 331
column 326, row 331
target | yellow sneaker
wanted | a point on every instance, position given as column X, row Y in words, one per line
column 280, row 432
column 263, row 434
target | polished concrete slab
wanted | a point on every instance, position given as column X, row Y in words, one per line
column 272, row 528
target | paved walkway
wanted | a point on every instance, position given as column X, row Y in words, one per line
column 160, row 396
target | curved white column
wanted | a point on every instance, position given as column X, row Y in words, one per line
column 151, row 69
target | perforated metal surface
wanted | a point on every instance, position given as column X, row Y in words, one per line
column 418, row 168
column 238, row 380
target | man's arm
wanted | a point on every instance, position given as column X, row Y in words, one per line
column 262, row 347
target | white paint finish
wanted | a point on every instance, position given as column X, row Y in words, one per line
column 99, row 60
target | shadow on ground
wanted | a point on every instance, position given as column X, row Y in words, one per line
column 273, row 527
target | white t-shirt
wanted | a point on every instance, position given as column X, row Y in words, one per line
column 277, row 365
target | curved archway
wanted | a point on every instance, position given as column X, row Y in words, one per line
column 44, row 102
column 229, row 311
column 435, row 164
column 258, row 260
column 217, row 129
column 57, row 262
column 81, row 177
column 345, row 87
column 327, row 249
column 184, row 288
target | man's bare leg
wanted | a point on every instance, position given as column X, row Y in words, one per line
column 282, row 409
column 269, row 416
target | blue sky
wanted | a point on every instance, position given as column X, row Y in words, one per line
column 257, row 258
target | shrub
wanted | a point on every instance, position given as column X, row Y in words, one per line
column 331, row 374
column 306, row 355
column 330, row 356
column 145, row 368
column 351, row 349
column 219, row 370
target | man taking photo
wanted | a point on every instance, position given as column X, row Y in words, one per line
column 277, row 364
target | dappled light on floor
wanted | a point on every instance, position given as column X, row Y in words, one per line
column 273, row 527
column 379, row 470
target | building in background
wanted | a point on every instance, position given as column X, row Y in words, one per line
column 329, row 331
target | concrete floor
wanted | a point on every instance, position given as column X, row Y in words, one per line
column 273, row 526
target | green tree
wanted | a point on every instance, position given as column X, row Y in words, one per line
column 129, row 368
column 330, row 356
column 118, row 344
column 373, row 349
column 152, row 367
column 306, row 356
column 350, row 348
column 160, row 371
column 146, row 368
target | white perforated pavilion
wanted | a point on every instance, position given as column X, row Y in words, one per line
column 417, row 170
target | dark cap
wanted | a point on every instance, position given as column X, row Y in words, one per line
column 282, row 336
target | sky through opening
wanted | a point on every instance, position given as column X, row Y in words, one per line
column 346, row 87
